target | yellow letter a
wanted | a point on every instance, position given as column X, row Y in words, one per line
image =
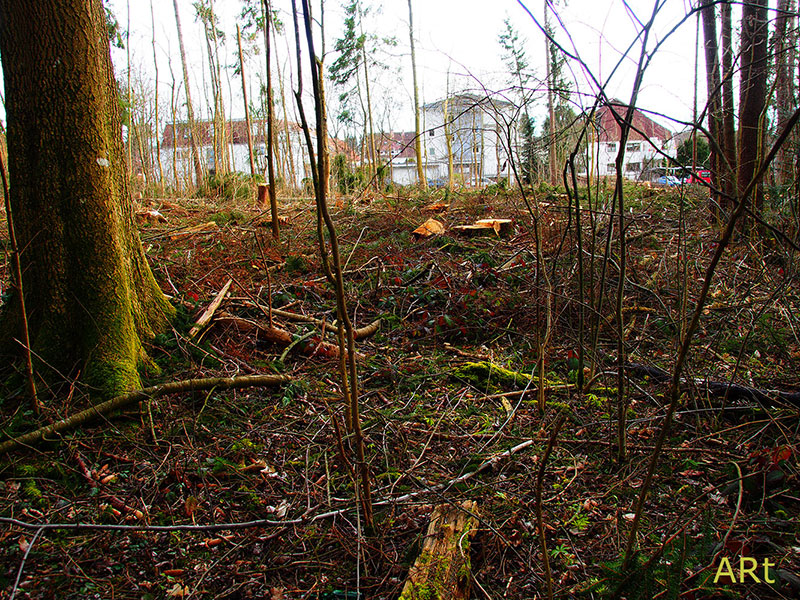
column 725, row 570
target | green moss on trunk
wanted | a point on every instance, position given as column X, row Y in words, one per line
column 90, row 293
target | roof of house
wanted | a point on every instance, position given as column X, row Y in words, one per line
column 236, row 129
column 643, row 127
column 466, row 100
column 337, row 146
column 396, row 144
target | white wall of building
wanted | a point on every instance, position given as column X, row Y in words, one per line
column 640, row 156
column 479, row 133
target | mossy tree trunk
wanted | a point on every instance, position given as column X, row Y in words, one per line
column 89, row 291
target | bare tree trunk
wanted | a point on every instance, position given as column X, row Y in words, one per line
column 130, row 92
column 728, row 137
column 91, row 295
column 349, row 371
column 448, row 140
column 218, row 140
column 713, row 88
column 550, row 103
column 198, row 168
column 785, row 54
column 220, row 129
column 174, row 110
column 292, row 172
column 273, row 197
column 421, row 180
column 373, row 154
column 158, row 131
column 752, row 98
column 246, row 105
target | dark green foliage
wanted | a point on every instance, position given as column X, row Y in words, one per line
column 347, row 180
column 643, row 581
column 115, row 32
column 531, row 160
column 684, row 154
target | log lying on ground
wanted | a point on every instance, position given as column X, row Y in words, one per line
column 275, row 335
column 109, row 406
column 358, row 334
column 733, row 391
column 498, row 227
column 312, row 347
column 442, row 570
column 208, row 313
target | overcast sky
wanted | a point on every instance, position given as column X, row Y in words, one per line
column 455, row 37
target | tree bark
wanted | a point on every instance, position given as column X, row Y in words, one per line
column 728, row 127
column 155, row 105
column 752, row 97
column 442, row 569
column 246, row 106
column 273, row 197
column 421, row 180
column 785, row 48
column 553, row 171
column 713, row 84
column 90, row 293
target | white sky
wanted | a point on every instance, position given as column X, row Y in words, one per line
column 455, row 36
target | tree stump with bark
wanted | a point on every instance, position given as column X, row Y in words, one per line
column 263, row 194
column 442, row 570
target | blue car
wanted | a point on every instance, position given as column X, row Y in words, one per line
column 668, row 180
column 438, row 182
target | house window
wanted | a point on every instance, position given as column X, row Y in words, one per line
column 431, row 132
column 611, row 147
column 634, row 167
column 611, row 167
column 633, row 147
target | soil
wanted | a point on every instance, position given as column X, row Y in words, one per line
column 725, row 486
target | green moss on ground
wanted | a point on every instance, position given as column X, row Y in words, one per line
column 490, row 377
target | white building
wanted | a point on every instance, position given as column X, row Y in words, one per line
column 482, row 133
column 645, row 148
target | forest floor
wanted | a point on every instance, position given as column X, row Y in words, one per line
column 437, row 428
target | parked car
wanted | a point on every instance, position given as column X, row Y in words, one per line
column 438, row 182
column 669, row 180
column 701, row 176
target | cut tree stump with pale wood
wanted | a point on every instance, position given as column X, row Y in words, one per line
column 263, row 194
column 442, row 570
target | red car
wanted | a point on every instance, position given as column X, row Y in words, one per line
column 701, row 176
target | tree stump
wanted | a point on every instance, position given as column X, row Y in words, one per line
column 263, row 194
column 442, row 570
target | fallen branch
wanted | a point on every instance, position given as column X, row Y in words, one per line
column 487, row 464
column 360, row 334
column 720, row 388
column 281, row 337
column 115, row 503
column 187, row 385
column 208, row 313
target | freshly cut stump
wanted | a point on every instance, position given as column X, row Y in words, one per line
column 442, row 570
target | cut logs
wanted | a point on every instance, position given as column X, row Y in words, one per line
column 498, row 227
column 442, row 570
column 429, row 228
